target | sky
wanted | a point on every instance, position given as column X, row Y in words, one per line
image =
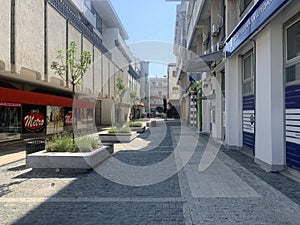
column 150, row 25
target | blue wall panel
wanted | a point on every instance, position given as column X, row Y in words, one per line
column 248, row 130
column 292, row 105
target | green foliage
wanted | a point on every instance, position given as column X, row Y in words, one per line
column 196, row 86
column 125, row 129
column 135, row 124
column 68, row 62
column 61, row 143
column 133, row 95
column 87, row 144
column 121, row 88
column 64, row 143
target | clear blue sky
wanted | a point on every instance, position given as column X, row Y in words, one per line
column 149, row 20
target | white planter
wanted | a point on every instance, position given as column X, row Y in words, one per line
column 68, row 160
column 106, row 137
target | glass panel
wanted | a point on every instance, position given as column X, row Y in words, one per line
column 248, row 88
column 247, row 67
column 293, row 41
column 55, row 119
column 10, row 121
column 292, row 73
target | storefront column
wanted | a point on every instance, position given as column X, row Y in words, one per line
column 233, row 102
column 269, row 135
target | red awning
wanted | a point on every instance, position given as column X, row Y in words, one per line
column 26, row 97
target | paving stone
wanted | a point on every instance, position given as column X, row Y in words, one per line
column 232, row 190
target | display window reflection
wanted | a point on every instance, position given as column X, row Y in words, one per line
column 10, row 121
column 55, row 119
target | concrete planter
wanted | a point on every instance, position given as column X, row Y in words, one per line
column 106, row 137
column 138, row 129
column 68, row 160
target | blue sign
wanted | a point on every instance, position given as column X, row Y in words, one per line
column 194, row 76
column 256, row 17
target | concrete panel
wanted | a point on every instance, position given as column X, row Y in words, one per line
column 30, row 35
column 97, row 72
column 108, row 112
column 5, row 33
column 88, row 78
column 112, row 79
column 233, row 102
column 56, row 37
column 105, row 75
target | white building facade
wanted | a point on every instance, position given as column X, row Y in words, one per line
column 31, row 34
column 254, row 99
column 158, row 92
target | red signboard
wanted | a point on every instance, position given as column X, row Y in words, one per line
column 69, row 118
column 34, row 121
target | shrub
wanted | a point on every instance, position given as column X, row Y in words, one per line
column 135, row 124
column 125, row 129
column 64, row 143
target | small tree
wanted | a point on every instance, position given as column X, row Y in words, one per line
column 71, row 68
column 121, row 89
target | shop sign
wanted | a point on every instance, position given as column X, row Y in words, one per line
column 34, row 121
column 256, row 17
column 9, row 104
column 69, row 118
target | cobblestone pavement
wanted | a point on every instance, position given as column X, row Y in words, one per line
column 231, row 189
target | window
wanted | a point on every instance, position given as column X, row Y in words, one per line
column 292, row 65
column 175, row 90
column 160, row 83
column 248, row 81
column 174, row 73
column 159, row 93
column 244, row 4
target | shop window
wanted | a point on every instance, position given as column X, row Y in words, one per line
column 292, row 65
column 248, row 81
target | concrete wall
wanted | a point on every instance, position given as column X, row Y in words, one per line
column 5, row 33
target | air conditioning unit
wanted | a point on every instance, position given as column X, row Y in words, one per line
column 214, row 30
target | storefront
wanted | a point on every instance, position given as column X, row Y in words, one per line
column 263, row 88
column 29, row 114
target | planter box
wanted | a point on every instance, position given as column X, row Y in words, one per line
column 67, row 160
column 138, row 129
column 106, row 137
